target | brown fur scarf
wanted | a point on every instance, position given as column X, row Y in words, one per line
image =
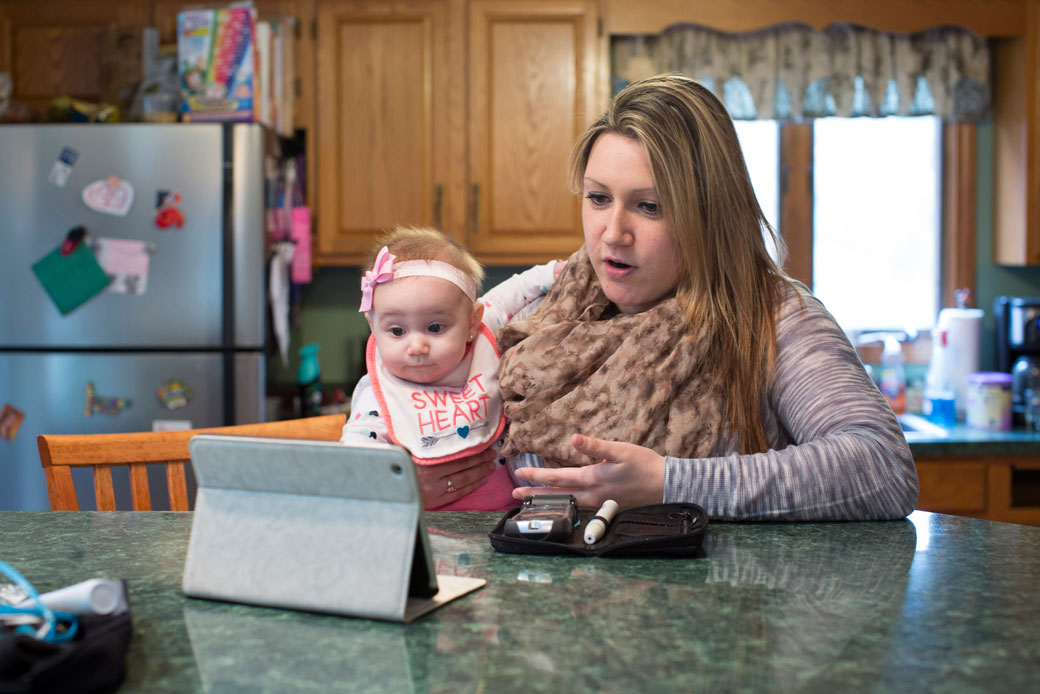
column 641, row 378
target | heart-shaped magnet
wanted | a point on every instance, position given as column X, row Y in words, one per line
column 112, row 195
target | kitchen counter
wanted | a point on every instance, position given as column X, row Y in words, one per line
column 882, row 606
column 984, row 474
column 962, row 440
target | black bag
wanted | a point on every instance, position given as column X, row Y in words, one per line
column 92, row 662
column 662, row 530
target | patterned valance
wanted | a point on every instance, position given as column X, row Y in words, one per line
column 793, row 72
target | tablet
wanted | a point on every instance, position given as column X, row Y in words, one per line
column 312, row 525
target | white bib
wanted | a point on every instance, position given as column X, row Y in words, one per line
column 441, row 423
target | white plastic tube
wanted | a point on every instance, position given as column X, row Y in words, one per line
column 596, row 528
column 93, row 596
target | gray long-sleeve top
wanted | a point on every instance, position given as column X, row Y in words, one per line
column 836, row 450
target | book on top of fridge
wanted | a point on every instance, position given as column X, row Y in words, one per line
column 216, row 60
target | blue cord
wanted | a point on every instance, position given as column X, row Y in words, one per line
column 51, row 619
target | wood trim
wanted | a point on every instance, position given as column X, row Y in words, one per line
column 304, row 108
column 796, row 199
column 6, row 45
column 986, row 17
column 952, row 486
column 1032, row 145
column 1000, row 494
column 78, row 450
column 960, row 195
column 60, row 453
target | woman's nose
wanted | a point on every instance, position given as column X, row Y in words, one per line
column 616, row 231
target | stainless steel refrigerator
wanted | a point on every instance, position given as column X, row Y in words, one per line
column 189, row 349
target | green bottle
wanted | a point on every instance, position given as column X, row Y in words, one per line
column 308, row 377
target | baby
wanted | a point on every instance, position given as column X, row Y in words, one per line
column 432, row 382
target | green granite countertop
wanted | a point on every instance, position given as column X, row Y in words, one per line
column 936, row 602
column 964, row 441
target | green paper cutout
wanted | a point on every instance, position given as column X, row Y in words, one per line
column 72, row 279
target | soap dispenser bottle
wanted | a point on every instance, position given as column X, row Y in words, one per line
column 893, row 374
column 308, row 377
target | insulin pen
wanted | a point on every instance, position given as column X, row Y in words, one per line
column 598, row 525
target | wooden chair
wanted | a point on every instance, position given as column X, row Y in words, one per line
column 60, row 453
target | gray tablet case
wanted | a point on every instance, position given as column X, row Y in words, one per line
column 312, row 525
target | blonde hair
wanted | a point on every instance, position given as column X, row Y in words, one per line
column 424, row 243
column 728, row 282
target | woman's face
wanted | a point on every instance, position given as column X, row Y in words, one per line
column 625, row 233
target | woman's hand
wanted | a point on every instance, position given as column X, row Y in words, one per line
column 629, row 474
column 460, row 476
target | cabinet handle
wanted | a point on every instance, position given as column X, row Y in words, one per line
column 438, row 199
column 476, row 208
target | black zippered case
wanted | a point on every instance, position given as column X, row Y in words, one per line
column 661, row 530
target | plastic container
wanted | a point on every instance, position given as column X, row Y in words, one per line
column 955, row 354
column 893, row 374
column 308, row 378
column 989, row 400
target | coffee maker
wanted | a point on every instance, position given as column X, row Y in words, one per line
column 1018, row 345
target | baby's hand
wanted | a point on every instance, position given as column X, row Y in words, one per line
column 558, row 269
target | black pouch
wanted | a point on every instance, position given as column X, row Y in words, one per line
column 92, row 662
column 661, row 530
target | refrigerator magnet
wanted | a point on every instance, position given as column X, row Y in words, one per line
column 112, row 195
column 70, row 280
column 10, row 419
column 125, row 261
column 62, row 168
column 174, row 394
column 72, row 239
column 102, row 405
column 167, row 213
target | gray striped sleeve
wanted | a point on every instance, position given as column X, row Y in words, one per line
column 836, row 449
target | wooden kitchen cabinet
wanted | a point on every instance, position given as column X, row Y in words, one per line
column 532, row 91
column 453, row 114
column 384, row 85
column 55, row 47
column 52, row 47
column 1016, row 144
column 1000, row 487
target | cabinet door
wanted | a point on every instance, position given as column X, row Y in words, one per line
column 56, row 47
column 532, row 87
column 381, row 97
column 1016, row 146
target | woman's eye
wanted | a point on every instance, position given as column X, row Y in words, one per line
column 437, row 328
column 651, row 209
column 597, row 199
column 397, row 332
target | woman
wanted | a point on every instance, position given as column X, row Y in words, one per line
column 673, row 360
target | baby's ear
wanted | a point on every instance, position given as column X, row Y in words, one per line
column 478, row 315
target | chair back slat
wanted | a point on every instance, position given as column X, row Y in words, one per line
column 103, row 492
column 60, row 489
column 177, row 484
column 59, row 453
column 139, row 495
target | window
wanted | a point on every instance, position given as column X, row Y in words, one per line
column 877, row 219
column 760, row 142
column 860, row 205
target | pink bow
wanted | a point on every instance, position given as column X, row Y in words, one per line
column 383, row 271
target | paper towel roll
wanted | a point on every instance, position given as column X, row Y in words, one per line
column 958, row 353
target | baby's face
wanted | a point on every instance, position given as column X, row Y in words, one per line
column 422, row 326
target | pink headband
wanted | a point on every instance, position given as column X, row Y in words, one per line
column 384, row 271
